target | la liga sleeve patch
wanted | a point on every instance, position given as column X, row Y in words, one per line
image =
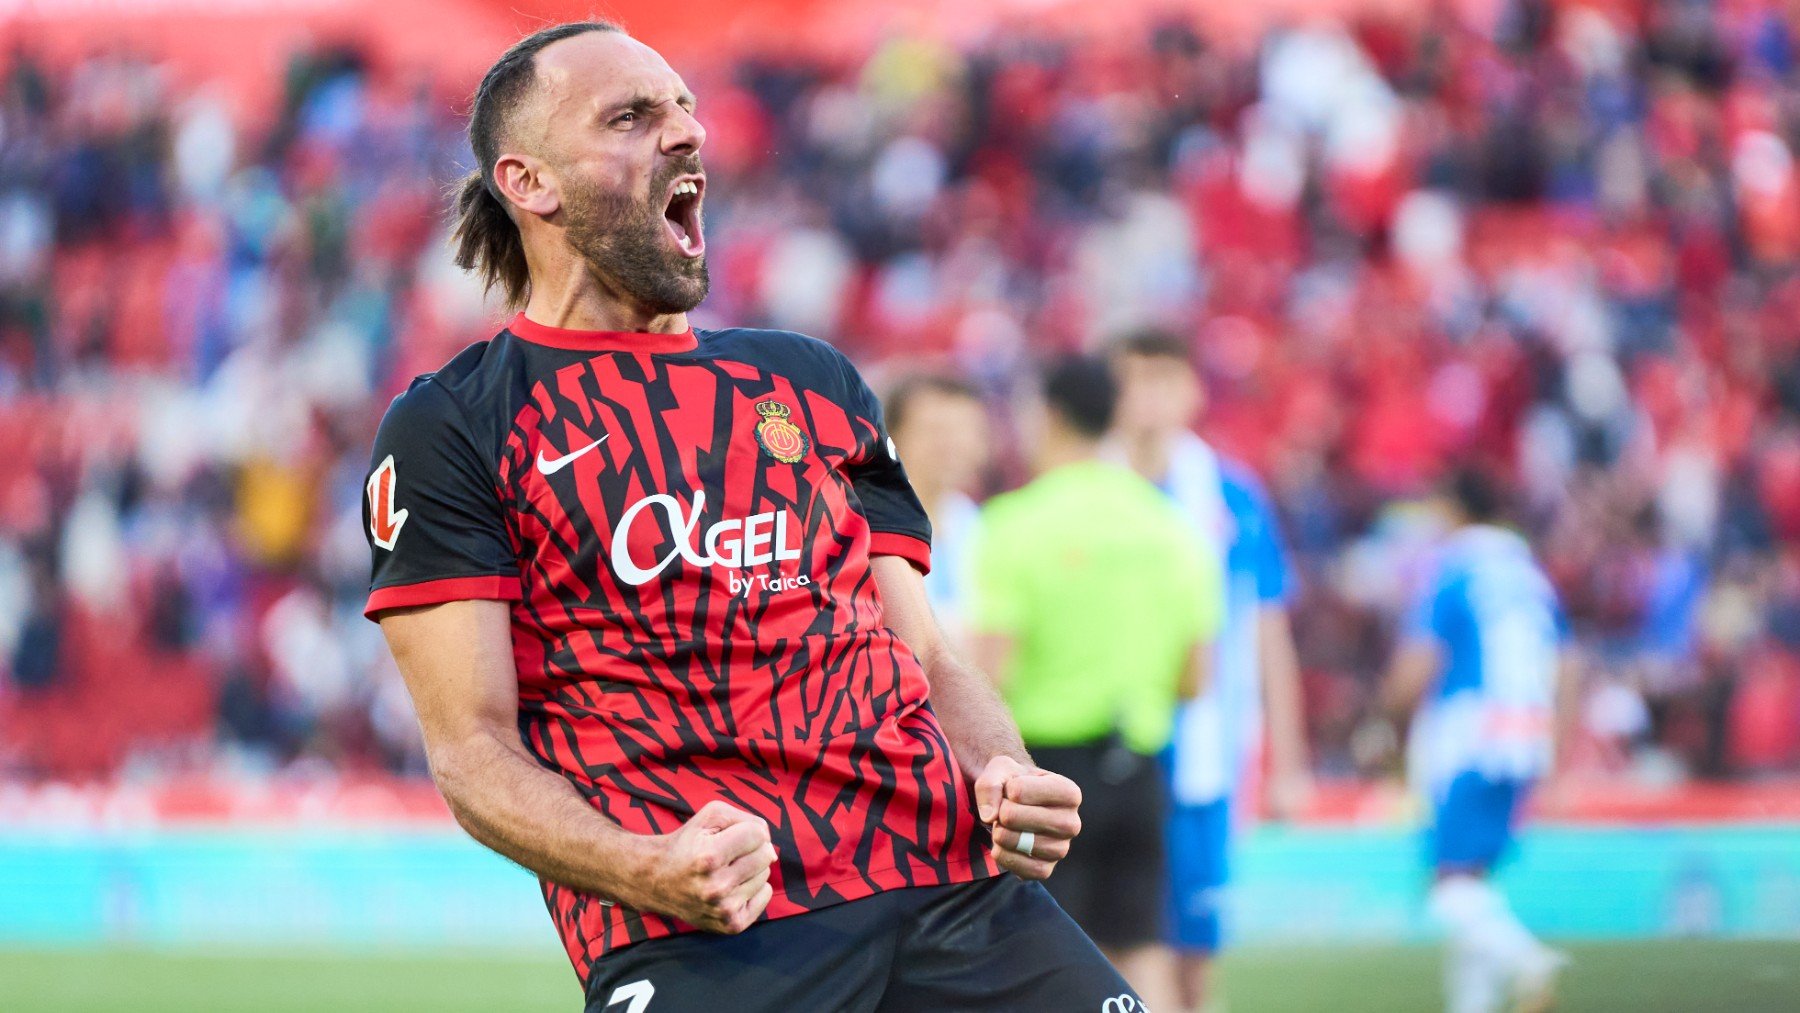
column 385, row 521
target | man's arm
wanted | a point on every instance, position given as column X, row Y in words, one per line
column 1566, row 712
column 1411, row 671
column 1012, row 795
column 1290, row 781
column 456, row 657
column 1197, row 677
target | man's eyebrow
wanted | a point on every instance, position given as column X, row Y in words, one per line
column 643, row 103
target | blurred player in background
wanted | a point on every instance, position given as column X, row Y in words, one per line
column 940, row 427
column 1094, row 602
column 1219, row 736
column 657, row 596
column 1480, row 670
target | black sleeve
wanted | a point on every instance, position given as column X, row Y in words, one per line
column 431, row 509
column 897, row 520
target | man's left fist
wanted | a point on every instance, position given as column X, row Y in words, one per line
column 1032, row 814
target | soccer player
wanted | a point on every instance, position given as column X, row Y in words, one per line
column 1094, row 603
column 1480, row 667
column 1219, row 736
column 656, row 594
column 941, row 430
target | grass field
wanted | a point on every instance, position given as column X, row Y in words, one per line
column 1678, row 977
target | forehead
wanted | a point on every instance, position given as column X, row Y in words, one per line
column 596, row 69
column 935, row 405
column 1141, row 365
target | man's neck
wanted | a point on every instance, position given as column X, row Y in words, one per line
column 581, row 301
column 1063, row 449
column 1149, row 453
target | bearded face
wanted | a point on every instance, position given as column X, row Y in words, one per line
column 650, row 246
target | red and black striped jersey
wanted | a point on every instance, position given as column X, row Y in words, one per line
column 684, row 524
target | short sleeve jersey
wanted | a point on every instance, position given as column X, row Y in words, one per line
column 1494, row 617
column 683, row 525
column 1106, row 591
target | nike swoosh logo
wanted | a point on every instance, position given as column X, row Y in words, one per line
column 552, row 465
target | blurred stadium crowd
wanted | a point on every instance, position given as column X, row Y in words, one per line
column 1567, row 246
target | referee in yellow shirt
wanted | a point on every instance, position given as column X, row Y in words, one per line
column 1092, row 599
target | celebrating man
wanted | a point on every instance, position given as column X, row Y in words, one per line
column 656, row 593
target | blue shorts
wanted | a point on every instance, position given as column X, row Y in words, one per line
column 1199, row 842
column 1473, row 825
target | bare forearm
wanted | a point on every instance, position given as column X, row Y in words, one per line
column 1197, row 678
column 1566, row 712
column 537, row 818
column 973, row 716
column 1281, row 695
column 711, row 872
column 1413, row 667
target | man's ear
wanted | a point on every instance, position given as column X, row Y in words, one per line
column 528, row 184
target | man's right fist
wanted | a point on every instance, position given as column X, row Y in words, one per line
column 715, row 871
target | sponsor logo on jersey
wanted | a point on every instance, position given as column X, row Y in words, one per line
column 752, row 541
column 780, row 438
column 384, row 521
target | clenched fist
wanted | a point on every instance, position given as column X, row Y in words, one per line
column 714, row 871
column 1032, row 813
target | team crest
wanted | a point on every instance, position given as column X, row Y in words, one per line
column 780, row 439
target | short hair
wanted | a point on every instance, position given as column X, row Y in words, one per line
column 898, row 405
column 486, row 238
column 1477, row 493
column 1154, row 343
column 1080, row 390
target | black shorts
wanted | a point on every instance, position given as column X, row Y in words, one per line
column 995, row 944
column 1113, row 882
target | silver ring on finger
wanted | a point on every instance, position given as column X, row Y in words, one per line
column 1027, row 843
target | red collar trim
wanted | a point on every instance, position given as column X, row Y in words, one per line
column 601, row 341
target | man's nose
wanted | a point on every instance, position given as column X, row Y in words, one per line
column 684, row 135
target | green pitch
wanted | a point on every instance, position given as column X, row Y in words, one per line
column 1678, row 977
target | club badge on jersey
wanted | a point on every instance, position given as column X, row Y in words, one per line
column 779, row 438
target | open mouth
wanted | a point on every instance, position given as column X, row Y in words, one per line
column 683, row 215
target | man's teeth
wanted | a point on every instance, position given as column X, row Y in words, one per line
column 687, row 187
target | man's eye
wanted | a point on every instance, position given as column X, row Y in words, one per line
column 626, row 118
